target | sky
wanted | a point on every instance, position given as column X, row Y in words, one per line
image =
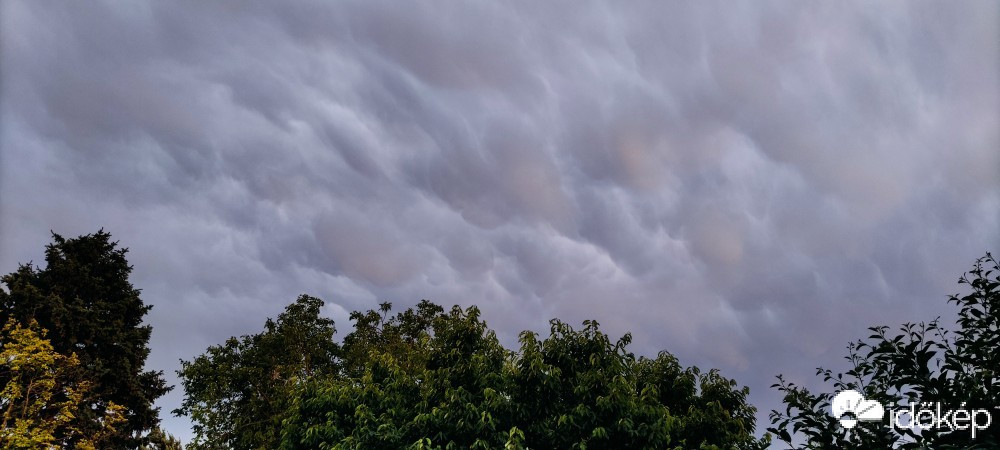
column 747, row 185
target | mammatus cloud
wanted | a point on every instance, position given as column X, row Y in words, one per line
column 747, row 185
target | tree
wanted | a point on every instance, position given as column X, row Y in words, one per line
column 376, row 331
column 237, row 394
column 429, row 379
column 712, row 410
column 43, row 395
column 446, row 382
column 919, row 364
column 442, row 387
column 578, row 388
column 161, row 440
column 84, row 298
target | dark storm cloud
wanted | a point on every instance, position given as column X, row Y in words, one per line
column 748, row 185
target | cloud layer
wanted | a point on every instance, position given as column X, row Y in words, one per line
column 747, row 185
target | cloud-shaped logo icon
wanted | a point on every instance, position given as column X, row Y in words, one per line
column 850, row 406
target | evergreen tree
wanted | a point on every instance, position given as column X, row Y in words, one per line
column 84, row 299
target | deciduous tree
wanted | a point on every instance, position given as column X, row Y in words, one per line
column 237, row 393
column 917, row 363
column 450, row 384
column 42, row 395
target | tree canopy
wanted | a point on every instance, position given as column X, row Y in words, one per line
column 924, row 363
column 430, row 378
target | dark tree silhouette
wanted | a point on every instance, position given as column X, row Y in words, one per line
column 918, row 363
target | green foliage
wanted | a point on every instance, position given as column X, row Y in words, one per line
column 85, row 300
column 713, row 409
column 161, row 440
column 918, row 363
column 237, row 393
column 42, row 395
column 578, row 389
column 429, row 379
column 375, row 331
column 396, row 403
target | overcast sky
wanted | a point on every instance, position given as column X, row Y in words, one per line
column 746, row 185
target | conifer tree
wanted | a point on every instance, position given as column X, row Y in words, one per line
column 84, row 298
